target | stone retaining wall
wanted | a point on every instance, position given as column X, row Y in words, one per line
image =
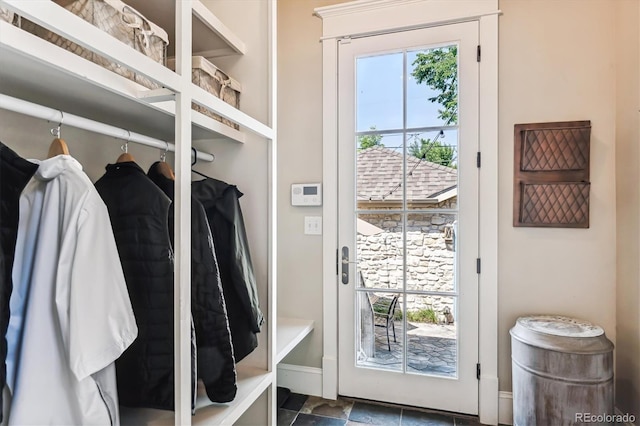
column 430, row 257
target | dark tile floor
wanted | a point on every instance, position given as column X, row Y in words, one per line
column 303, row 410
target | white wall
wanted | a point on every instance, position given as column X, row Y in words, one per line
column 628, row 206
column 557, row 63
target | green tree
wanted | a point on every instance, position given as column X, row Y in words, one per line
column 438, row 68
column 433, row 151
column 367, row 141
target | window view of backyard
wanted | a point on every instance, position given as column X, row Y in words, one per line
column 406, row 206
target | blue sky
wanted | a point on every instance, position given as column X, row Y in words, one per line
column 379, row 98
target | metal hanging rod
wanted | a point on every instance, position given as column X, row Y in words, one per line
column 54, row 115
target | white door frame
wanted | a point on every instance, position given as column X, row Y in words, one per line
column 367, row 17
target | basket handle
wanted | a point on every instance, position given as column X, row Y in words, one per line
column 223, row 83
column 138, row 24
column 6, row 15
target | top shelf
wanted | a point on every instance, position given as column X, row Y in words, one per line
column 211, row 37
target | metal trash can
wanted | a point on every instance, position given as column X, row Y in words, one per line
column 562, row 370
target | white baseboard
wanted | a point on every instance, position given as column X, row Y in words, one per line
column 505, row 408
column 300, row 379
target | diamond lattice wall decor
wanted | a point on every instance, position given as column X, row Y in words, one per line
column 551, row 174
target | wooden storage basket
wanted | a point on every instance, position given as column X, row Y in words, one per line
column 207, row 76
column 119, row 20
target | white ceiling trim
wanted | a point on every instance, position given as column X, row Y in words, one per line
column 358, row 6
column 362, row 18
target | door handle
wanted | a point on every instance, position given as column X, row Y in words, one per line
column 345, row 265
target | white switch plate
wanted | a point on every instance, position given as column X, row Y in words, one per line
column 313, row 225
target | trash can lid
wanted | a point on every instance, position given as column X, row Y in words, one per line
column 557, row 325
column 561, row 334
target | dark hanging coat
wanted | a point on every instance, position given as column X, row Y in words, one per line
column 216, row 366
column 221, row 203
column 15, row 173
column 139, row 212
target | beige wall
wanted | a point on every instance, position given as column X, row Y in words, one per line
column 628, row 206
column 557, row 63
column 300, row 161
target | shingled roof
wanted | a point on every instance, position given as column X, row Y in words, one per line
column 380, row 177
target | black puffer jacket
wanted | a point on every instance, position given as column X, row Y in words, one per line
column 221, row 203
column 216, row 366
column 139, row 212
column 15, row 173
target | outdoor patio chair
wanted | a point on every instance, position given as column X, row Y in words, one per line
column 384, row 317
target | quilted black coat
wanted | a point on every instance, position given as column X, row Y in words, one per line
column 216, row 366
column 139, row 212
column 221, row 203
column 15, row 173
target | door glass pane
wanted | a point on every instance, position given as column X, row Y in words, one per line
column 380, row 250
column 432, row 335
column 379, row 171
column 379, row 92
column 432, row 87
column 431, row 252
column 432, row 173
column 380, row 332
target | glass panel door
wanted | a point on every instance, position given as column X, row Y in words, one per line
column 408, row 208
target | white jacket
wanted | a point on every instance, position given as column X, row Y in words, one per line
column 71, row 316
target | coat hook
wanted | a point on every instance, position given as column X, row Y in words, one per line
column 56, row 131
column 125, row 146
column 163, row 155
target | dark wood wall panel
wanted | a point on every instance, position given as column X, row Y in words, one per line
column 551, row 174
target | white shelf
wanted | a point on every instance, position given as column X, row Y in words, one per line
column 290, row 332
column 252, row 382
column 40, row 72
column 211, row 37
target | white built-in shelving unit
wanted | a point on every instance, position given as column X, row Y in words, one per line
column 39, row 72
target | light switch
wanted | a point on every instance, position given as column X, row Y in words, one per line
column 313, row 225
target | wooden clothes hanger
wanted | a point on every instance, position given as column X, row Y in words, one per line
column 125, row 156
column 58, row 145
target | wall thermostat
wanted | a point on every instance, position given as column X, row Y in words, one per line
column 306, row 194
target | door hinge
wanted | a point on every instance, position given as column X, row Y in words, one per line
column 478, row 265
column 337, row 261
column 479, row 159
column 478, row 53
column 478, row 371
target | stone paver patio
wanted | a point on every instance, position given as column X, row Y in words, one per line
column 432, row 349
